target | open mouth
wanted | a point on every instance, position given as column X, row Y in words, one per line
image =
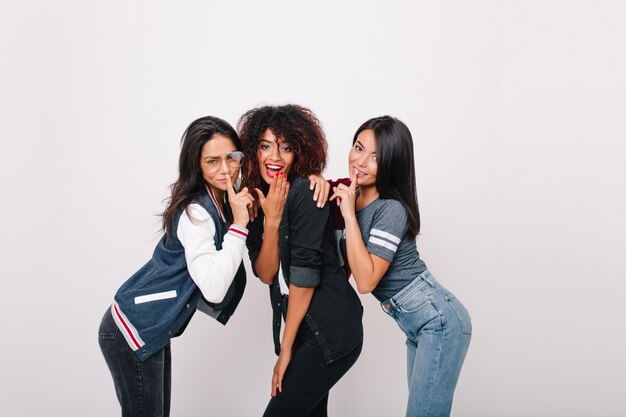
column 272, row 170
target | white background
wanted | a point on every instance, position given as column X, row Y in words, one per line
column 517, row 110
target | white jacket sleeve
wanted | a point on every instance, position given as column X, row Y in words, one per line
column 213, row 271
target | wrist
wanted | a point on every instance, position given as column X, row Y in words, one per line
column 240, row 225
column 271, row 224
column 350, row 218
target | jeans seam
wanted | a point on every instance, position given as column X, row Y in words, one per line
column 434, row 378
column 304, row 393
column 140, row 386
column 465, row 327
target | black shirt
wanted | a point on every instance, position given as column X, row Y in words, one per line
column 309, row 258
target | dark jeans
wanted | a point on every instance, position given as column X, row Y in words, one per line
column 308, row 379
column 142, row 388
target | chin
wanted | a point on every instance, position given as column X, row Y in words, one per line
column 266, row 179
column 220, row 186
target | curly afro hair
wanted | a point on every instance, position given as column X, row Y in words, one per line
column 296, row 125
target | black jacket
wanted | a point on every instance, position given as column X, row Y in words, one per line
column 309, row 257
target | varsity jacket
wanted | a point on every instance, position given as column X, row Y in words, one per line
column 157, row 302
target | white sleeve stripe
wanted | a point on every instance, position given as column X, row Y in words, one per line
column 388, row 236
column 383, row 243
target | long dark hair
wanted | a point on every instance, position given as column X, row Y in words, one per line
column 395, row 178
column 190, row 182
column 296, row 125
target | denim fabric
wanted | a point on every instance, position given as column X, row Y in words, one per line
column 308, row 379
column 438, row 330
column 143, row 388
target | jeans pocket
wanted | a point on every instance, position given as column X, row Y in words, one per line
column 413, row 302
column 461, row 313
column 108, row 329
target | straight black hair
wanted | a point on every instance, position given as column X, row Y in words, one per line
column 395, row 178
column 190, row 182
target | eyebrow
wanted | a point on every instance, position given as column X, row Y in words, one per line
column 217, row 156
column 361, row 145
column 280, row 141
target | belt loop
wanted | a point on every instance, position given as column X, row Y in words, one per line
column 388, row 305
column 426, row 276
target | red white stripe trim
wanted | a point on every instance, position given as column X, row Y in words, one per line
column 128, row 330
column 239, row 232
column 219, row 211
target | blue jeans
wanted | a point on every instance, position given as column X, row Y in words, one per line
column 438, row 330
column 142, row 388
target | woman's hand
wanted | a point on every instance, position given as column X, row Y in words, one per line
column 321, row 189
column 274, row 203
column 346, row 197
column 279, row 370
column 240, row 203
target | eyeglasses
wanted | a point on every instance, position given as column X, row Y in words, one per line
column 232, row 159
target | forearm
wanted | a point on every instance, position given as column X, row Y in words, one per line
column 299, row 301
column 359, row 259
column 266, row 265
column 214, row 276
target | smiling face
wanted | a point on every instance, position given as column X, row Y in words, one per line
column 216, row 164
column 362, row 158
column 274, row 155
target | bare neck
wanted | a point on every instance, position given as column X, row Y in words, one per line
column 366, row 196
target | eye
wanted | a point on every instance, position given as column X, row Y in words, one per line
column 211, row 162
column 285, row 148
column 358, row 148
column 264, row 147
column 374, row 158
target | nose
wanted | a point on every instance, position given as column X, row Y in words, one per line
column 274, row 153
column 224, row 168
column 363, row 160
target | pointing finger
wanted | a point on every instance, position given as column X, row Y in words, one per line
column 353, row 178
column 229, row 188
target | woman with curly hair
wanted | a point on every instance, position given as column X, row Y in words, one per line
column 382, row 219
column 293, row 249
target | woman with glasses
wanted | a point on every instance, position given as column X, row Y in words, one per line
column 197, row 264
column 292, row 248
column 379, row 207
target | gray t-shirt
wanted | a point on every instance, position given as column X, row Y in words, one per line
column 384, row 227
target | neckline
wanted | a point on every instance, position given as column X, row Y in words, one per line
column 367, row 205
column 214, row 200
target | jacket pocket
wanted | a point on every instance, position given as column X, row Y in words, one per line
column 166, row 295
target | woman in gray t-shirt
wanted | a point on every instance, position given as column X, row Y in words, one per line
column 381, row 223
